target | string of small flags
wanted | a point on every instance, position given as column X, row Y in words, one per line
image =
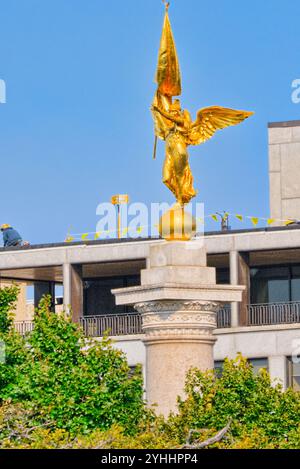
column 254, row 220
column 94, row 235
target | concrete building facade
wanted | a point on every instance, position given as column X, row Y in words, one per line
column 264, row 327
column 284, row 169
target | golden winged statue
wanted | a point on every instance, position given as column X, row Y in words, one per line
column 175, row 126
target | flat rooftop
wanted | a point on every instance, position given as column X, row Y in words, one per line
column 289, row 228
column 283, row 124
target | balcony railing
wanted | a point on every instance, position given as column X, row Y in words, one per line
column 224, row 317
column 273, row 313
column 23, row 327
column 114, row 324
column 131, row 323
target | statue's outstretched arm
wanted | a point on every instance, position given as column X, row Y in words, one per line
column 167, row 115
column 214, row 118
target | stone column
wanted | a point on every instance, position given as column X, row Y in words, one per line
column 178, row 299
column 234, row 276
column 244, row 279
column 67, row 286
column 178, row 336
column 44, row 288
column 73, row 290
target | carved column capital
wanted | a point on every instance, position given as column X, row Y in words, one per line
column 166, row 320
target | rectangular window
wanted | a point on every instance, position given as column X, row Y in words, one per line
column 270, row 284
column 223, row 276
column 293, row 374
column 295, row 283
column 257, row 363
column 98, row 298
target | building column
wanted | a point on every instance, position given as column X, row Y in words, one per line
column 73, row 290
column 44, row 288
column 278, row 369
column 178, row 300
column 178, row 337
column 67, row 287
column 234, row 276
column 244, row 279
column 239, row 275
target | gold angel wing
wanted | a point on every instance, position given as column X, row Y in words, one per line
column 211, row 119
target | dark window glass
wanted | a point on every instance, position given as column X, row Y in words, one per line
column 257, row 363
column 223, row 276
column 99, row 300
column 294, row 373
column 295, row 283
column 270, row 285
column 219, row 368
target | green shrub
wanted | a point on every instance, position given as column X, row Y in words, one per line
column 76, row 384
column 59, row 390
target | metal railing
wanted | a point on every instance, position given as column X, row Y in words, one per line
column 224, row 317
column 131, row 323
column 273, row 313
column 23, row 327
column 114, row 324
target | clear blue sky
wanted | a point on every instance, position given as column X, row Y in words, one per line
column 76, row 127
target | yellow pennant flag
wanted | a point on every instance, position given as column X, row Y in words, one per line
column 270, row 221
column 97, row 235
column 239, row 217
column 254, row 220
column 139, row 229
column 69, row 239
column 289, row 222
column 124, row 231
column 84, row 236
column 214, row 217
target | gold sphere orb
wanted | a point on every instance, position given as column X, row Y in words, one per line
column 177, row 224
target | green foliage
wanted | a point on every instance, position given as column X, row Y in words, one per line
column 75, row 384
column 58, row 390
column 8, row 298
column 12, row 344
column 262, row 414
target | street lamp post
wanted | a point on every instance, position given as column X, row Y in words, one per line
column 119, row 200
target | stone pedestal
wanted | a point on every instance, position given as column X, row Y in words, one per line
column 178, row 299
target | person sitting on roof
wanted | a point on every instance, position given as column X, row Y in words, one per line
column 10, row 236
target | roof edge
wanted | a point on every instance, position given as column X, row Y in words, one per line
column 284, row 124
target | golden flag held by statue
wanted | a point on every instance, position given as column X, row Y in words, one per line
column 168, row 75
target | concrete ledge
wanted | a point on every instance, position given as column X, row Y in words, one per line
column 257, row 329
